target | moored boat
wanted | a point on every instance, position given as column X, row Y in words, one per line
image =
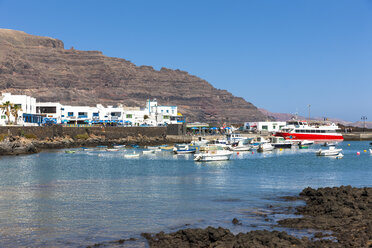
column 212, row 153
column 184, row 149
column 70, row 151
column 265, row 147
column 280, row 142
column 241, row 146
column 301, row 130
column 331, row 151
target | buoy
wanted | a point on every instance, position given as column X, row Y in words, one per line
column 365, row 150
column 348, row 144
column 252, row 152
column 281, row 149
column 358, row 153
column 237, row 153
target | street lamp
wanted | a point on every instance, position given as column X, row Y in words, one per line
column 364, row 118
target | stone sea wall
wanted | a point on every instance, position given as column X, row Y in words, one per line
column 52, row 132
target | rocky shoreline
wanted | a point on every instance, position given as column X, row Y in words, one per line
column 17, row 145
column 341, row 214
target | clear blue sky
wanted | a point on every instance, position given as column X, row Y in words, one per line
column 279, row 55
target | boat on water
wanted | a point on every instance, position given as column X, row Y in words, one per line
column 265, row 147
column 70, row 151
column 200, row 142
column 305, row 144
column 301, row 130
column 118, row 146
column 370, row 151
column 148, row 152
column 331, row 151
column 234, row 137
column 241, row 146
column 101, row 147
column 329, row 144
column 280, row 142
column 112, row 149
column 212, row 153
column 184, row 149
column 133, row 155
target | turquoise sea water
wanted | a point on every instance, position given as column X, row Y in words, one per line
column 73, row 200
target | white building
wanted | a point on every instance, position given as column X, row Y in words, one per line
column 269, row 126
column 33, row 113
column 27, row 113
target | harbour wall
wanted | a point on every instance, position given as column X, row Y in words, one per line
column 358, row 136
column 51, row 132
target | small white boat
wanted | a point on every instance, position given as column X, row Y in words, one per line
column 200, row 142
column 152, row 147
column 265, row 147
column 306, row 142
column 241, row 146
column 212, row 153
column 331, row 151
column 112, row 150
column 148, row 151
column 330, row 143
column 134, row 155
column 118, row 146
column 184, row 149
column 370, row 151
column 339, row 156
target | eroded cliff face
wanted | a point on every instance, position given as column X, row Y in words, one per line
column 42, row 68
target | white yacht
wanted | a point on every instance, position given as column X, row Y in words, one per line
column 212, row 153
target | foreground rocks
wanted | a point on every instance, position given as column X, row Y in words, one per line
column 345, row 211
column 220, row 237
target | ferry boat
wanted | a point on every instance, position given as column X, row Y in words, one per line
column 301, row 130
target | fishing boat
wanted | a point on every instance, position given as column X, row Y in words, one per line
column 280, row 142
column 212, row 153
column 70, row 151
column 118, row 146
column 305, row 144
column 200, row 142
column 331, row 151
column 112, row 149
column 265, row 147
column 234, row 137
column 301, row 130
column 152, row 147
column 330, row 143
column 241, row 146
column 148, row 151
column 184, row 149
column 133, row 155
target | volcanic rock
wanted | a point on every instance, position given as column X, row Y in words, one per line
column 42, row 68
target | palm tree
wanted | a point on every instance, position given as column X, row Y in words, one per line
column 15, row 111
column 6, row 107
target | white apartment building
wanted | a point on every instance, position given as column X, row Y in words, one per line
column 33, row 113
column 269, row 126
column 27, row 113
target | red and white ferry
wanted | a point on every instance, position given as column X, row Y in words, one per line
column 301, row 130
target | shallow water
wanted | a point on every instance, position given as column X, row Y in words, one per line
column 71, row 200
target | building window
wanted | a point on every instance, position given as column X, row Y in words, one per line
column 62, row 109
column 166, row 117
column 264, row 128
column 95, row 114
column 167, row 111
column 3, row 117
column 70, row 113
column 63, row 115
column 129, row 116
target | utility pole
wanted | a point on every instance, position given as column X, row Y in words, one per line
column 364, row 118
column 309, row 111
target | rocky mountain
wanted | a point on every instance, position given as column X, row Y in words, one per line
column 42, row 68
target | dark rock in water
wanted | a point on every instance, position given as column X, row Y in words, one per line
column 220, row 237
column 235, row 221
column 346, row 211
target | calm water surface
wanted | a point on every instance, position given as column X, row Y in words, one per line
column 72, row 200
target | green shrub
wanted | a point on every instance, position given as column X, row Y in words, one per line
column 30, row 136
column 2, row 136
column 82, row 136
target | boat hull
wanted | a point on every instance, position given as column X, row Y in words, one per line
column 206, row 157
column 310, row 136
column 333, row 152
column 284, row 145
